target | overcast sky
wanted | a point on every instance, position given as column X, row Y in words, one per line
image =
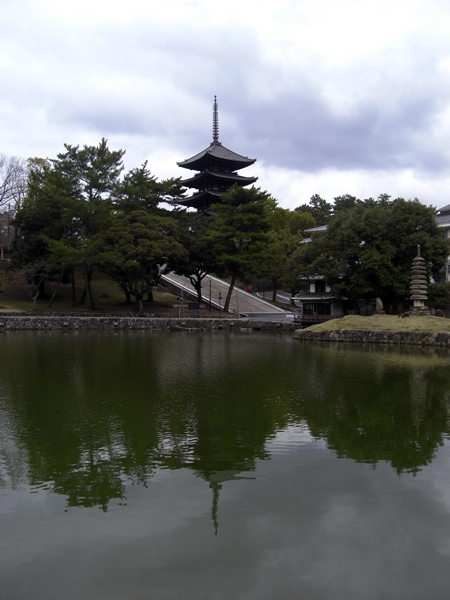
column 330, row 96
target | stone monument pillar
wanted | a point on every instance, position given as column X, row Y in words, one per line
column 379, row 307
column 419, row 286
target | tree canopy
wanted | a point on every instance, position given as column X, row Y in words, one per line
column 368, row 249
column 239, row 231
column 199, row 258
column 73, row 201
column 82, row 210
column 136, row 249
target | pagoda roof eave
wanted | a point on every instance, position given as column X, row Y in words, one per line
column 200, row 199
column 218, row 176
column 220, row 153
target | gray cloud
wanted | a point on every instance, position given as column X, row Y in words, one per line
column 284, row 98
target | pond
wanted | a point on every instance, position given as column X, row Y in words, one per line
column 222, row 466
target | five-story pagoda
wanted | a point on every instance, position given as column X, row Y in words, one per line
column 216, row 171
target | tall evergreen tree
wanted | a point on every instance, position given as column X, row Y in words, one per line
column 93, row 173
column 200, row 257
column 319, row 208
column 136, row 249
column 239, row 232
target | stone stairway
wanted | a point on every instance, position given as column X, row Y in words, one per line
column 241, row 302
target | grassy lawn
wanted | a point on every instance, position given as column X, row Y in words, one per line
column 384, row 322
column 107, row 296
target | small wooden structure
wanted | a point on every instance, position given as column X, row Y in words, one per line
column 319, row 304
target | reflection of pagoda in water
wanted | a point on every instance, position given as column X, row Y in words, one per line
column 216, row 171
column 216, row 478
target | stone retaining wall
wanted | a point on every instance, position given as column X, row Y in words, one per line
column 420, row 338
column 71, row 323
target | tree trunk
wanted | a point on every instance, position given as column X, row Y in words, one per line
column 42, row 287
column 199, row 292
column 197, row 285
column 50, row 304
column 198, row 288
column 355, row 308
column 126, row 292
column 274, row 291
column 140, row 301
column 230, row 291
column 87, row 281
column 72, row 281
column 150, row 295
column 35, row 297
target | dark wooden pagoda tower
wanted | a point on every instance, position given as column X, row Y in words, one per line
column 216, row 171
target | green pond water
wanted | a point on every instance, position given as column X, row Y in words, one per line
column 222, row 466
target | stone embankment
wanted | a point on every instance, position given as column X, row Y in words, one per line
column 419, row 338
column 10, row 322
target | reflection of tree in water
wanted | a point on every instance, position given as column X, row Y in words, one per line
column 91, row 415
column 378, row 405
column 93, row 481
column 95, row 412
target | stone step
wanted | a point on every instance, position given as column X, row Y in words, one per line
column 241, row 301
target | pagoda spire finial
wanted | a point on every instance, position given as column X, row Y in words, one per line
column 215, row 121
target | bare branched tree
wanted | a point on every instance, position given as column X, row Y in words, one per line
column 13, row 181
column 34, row 276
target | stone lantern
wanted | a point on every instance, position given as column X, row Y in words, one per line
column 419, row 285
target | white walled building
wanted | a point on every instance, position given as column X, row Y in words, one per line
column 443, row 221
